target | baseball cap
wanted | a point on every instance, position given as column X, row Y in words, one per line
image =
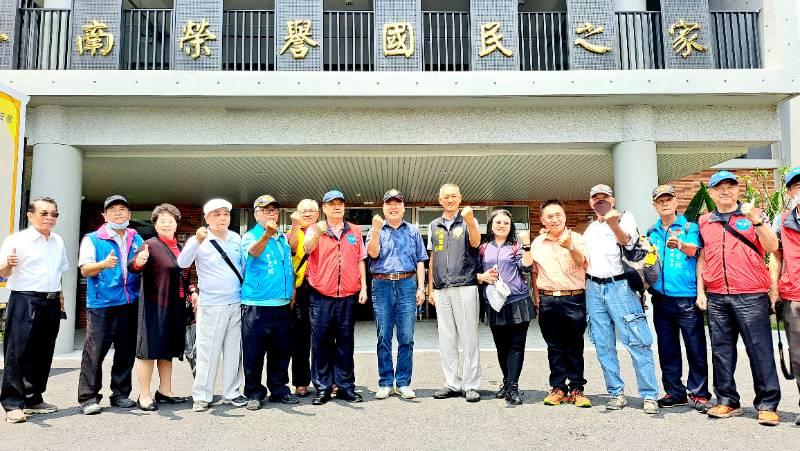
column 332, row 195
column 393, row 194
column 601, row 189
column 113, row 200
column 720, row 176
column 792, row 176
column 215, row 204
column 264, row 201
column 663, row 190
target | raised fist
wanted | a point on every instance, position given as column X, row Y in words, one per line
column 377, row 222
column 468, row 214
column 201, row 234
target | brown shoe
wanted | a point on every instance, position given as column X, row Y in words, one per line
column 556, row 397
column 724, row 411
column 16, row 416
column 579, row 399
column 768, row 418
column 301, row 391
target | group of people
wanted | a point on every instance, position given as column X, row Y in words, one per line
column 276, row 297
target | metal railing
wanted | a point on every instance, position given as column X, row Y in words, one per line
column 248, row 40
column 641, row 41
column 736, row 43
column 445, row 41
column 543, row 41
column 147, row 39
column 43, row 39
column 349, row 41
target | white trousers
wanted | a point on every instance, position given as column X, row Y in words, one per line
column 457, row 313
column 219, row 332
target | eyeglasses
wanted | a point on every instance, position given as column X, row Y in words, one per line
column 44, row 214
column 269, row 211
column 308, row 211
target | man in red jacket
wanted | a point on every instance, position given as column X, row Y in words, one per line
column 733, row 282
column 337, row 275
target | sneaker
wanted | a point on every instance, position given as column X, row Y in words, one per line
column 40, row 408
column 472, row 395
column 253, row 404
column 650, row 406
column 579, row 399
column 700, row 403
column 501, row 392
column 16, row 416
column 617, row 402
column 92, row 408
column 239, row 401
column 446, row 392
column 514, row 395
column 199, row 406
column 556, row 397
column 669, row 401
column 285, row 399
column 768, row 418
column 724, row 411
column 797, row 420
column 123, row 402
column 406, row 392
column 383, row 392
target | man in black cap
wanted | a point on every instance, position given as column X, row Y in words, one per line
column 112, row 293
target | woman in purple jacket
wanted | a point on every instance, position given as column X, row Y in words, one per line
column 507, row 257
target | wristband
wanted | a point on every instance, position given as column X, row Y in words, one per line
column 526, row 248
column 759, row 224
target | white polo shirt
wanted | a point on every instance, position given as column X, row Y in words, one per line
column 604, row 255
column 42, row 261
column 216, row 281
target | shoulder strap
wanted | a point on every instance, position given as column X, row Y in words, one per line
column 302, row 263
column 740, row 237
column 227, row 260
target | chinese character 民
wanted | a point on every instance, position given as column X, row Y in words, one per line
column 94, row 38
column 299, row 38
column 588, row 29
column 398, row 39
column 490, row 40
column 194, row 37
column 684, row 44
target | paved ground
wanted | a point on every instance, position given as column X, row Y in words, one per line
column 397, row 424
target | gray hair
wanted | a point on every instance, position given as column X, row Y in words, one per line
column 449, row 185
column 308, row 203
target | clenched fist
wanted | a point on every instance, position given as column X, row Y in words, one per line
column 295, row 217
column 468, row 214
column 270, row 229
column 524, row 238
column 751, row 213
column 377, row 223
column 201, row 234
column 612, row 217
column 565, row 240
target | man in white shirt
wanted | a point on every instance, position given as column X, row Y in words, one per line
column 219, row 314
column 33, row 261
column 611, row 304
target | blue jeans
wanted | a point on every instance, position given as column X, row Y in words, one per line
column 611, row 308
column 395, row 304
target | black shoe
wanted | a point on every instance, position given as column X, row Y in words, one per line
column 446, row 392
column 514, row 395
column 670, row 401
column 501, row 393
column 321, row 398
column 285, row 399
column 123, row 402
column 348, row 395
column 162, row 398
column 152, row 407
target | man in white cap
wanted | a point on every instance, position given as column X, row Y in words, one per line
column 218, row 257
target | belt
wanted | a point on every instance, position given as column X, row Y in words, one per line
column 561, row 293
column 41, row 294
column 605, row 279
column 395, row 276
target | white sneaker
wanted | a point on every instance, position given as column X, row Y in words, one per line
column 383, row 392
column 406, row 392
column 199, row 406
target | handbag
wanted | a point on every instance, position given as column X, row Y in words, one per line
column 785, row 369
column 497, row 293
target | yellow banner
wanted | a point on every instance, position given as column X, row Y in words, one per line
column 12, row 108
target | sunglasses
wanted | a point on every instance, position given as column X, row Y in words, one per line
column 44, row 214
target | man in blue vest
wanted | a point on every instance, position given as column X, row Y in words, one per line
column 111, row 306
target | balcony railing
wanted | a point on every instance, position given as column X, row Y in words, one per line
column 43, row 39
column 349, row 40
column 543, row 41
column 248, row 40
column 147, row 39
column 736, row 40
column 641, row 43
column 445, row 41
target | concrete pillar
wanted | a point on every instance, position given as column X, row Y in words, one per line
column 630, row 5
column 58, row 173
column 635, row 177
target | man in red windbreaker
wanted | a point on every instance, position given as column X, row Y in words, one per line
column 733, row 283
column 336, row 273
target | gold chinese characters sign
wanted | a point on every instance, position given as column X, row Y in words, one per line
column 298, row 38
column 398, row 39
column 95, row 37
column 586, row 31
column 3, row 37
column 491, row 40
column 685, row 43
column 194, row 36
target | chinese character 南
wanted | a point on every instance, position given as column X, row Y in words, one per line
column 490, row 40
column 299, row 38
column 194, row 37
column 398, row 39
column 95, row 37
column 588, row 29
column 686, row 42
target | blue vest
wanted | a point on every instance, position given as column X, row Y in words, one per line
column 110, row 288
column 270, row 276
column 678, row 277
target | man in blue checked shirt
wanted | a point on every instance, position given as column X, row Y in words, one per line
column 674, row 310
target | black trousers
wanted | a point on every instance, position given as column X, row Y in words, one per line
column 300, row 337
column 332, row 341
column 510, row 343
column 731, row 315
column 562, row 320
column 265, row 331
column 104, row 327
column 30, row 338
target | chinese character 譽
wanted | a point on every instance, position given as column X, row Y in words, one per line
column 299, row 38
